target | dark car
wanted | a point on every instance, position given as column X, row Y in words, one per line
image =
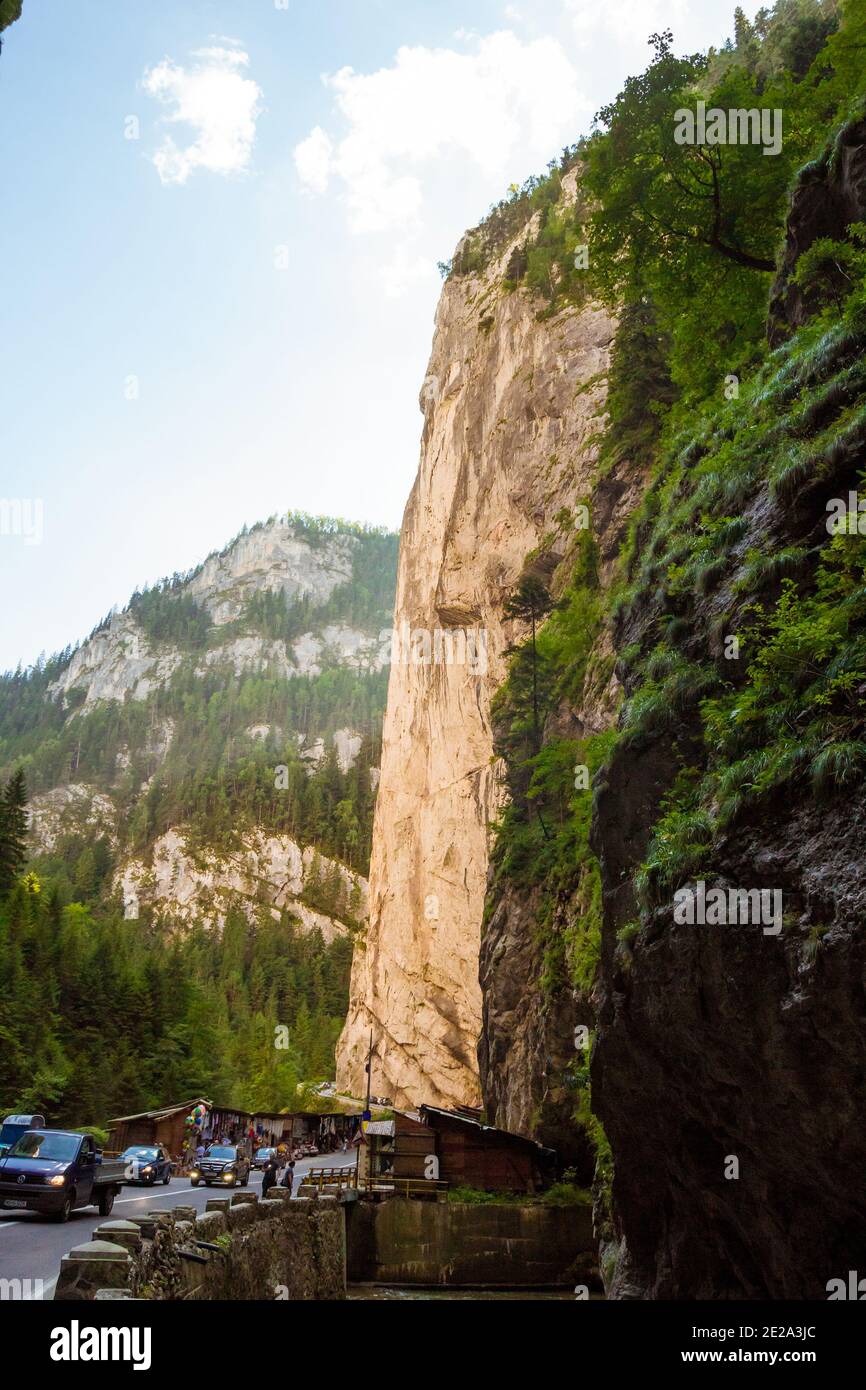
column 57, row 1171
column 148, row 1164
column 263, row 1157
column 225, row 1164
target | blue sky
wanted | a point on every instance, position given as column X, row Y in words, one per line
column 231, row 314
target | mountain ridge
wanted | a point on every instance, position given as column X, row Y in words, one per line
column 260, row 671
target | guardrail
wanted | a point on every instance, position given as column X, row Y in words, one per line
column 347, row 1179
column 403, row 1187
column 322, row 1177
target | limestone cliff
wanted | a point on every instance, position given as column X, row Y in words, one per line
column 512, row 404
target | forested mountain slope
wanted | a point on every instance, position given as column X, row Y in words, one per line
column 206, row 762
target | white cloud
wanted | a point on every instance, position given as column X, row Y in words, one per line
column 221, row 105
column 504, row 105
column 314, row 159
column 405, row 271
column 626, row 19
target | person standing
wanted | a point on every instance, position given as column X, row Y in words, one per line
column 289, row 1176
column 271, row 1173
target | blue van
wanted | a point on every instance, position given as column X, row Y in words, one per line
column 14, row 1126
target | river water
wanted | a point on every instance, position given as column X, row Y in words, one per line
column 383, row 1293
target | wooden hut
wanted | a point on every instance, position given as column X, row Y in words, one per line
column 164, row 1126
column 474, row 1154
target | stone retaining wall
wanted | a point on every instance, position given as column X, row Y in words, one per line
column 241, row 1248
column 489, row 1245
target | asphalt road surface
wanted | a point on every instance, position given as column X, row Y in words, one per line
column 31, row 1247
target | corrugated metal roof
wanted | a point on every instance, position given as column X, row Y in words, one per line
column 383, row 1127
column 479, row 1124
column 163, row 1111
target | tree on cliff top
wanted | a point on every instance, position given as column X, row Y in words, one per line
column 10, row 10
column 697, row 224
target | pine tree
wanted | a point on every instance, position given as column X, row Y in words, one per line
column 531, row 602
column 13, row 831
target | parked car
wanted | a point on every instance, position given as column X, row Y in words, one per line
column 14, row 1126
column 263, row 1157
column 55, row 1172
column 148, row 1164
column 226, row 1164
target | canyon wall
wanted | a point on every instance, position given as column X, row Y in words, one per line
column 729, row 1065
column 513, row 406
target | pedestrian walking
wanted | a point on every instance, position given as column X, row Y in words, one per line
column 271, row 1173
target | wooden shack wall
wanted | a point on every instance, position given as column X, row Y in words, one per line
column 170, row 1131
column 470, row 1158
column 413, row 1143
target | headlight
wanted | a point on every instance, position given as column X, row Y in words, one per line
column 57, row 1181
column 194, row 1173
column 229, row 1174
column 148, row 1168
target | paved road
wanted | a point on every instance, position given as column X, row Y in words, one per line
column 31, row 1247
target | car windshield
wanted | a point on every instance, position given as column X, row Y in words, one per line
column 59, row 1147
column 264, row 1153
column 221, row 1151
column 141, row 1153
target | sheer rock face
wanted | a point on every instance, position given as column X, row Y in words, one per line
column 511, row 406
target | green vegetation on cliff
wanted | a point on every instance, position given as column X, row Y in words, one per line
column 771, row 696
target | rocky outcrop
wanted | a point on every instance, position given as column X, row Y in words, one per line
column 179, row 885
column 115, row 663
column 511, row 408
column 67, row 810
column 272, row 558
column 829, row 195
